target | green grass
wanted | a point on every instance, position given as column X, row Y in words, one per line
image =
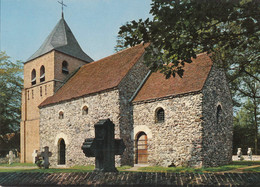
column 234, row 165
column 122, row 168
column 17, row 165
column 51, row 170
column 257, row 169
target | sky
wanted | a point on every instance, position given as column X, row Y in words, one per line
column 25, row 24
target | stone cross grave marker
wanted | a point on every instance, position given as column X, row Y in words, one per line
column 45, row 156
column 104, row 147
column 10, row 157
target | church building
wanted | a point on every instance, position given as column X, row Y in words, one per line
column 177, row 121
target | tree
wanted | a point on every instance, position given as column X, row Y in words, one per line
column 181, row 29
column 244, row 128
column 10, row 94
column 228, row 30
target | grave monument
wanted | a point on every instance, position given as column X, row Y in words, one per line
column 104, row 147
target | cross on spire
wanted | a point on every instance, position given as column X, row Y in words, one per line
column 62, row 5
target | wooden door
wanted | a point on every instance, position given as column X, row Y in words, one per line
column 141, row 147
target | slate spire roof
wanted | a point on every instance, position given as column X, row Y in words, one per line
column 61, row 39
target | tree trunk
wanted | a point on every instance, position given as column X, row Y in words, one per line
column 256, row 125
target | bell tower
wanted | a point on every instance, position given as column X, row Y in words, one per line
column 44, row 72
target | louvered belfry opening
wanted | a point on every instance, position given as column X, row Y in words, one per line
column 42, row 74
column 33, row 77
column 141, row 148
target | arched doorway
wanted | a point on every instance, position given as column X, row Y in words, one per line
column 141, row 148
column 61, row 152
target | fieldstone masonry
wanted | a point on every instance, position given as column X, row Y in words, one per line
column 113, row 104
column 197, row 129
column 190, row 134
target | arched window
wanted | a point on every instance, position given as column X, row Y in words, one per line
column 219, row 112
column 61, row 115
column 42, row 74
column 33, row 77
column 61, row 152
column 65, row 69
column 159, row 115
column 85, row 110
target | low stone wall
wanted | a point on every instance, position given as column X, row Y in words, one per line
column 129, row 179
column 254, row 158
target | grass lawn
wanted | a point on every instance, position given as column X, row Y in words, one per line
column 256, row 169
column 17, row 167
column 234, row 165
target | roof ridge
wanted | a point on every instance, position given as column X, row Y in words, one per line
column 102, row 59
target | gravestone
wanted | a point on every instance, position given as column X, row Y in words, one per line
column 45, row 156
column 10, row 157
column 239, row 154
column 35, row 156
column 104, row 147
column 249, row 153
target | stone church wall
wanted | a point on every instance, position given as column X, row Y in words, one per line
column 75, row 127
column 127, row 88
column 178, row 140
column 217, row 133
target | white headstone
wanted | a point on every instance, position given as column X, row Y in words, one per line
column 11, row 157
column 239, row 153
column 35, row 155
column 249, row 153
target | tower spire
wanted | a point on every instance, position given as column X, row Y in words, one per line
column 62, row 5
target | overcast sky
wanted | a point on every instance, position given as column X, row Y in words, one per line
column 95, row 23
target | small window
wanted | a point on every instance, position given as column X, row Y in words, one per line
column 40, row 91
column 65, row 67
column 61, row 115
column 33, row 77
column 159, row 115
column 45, row 89
column 32, row 94
column 219, row 112
column 42, row 74
column 28, row 93
column 85, row 110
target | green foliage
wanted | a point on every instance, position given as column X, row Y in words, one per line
column 181, row 29
column 10, row 94
column 228, row 30
column 244, row 129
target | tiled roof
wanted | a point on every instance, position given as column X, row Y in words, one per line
column 195, row 75
column 63, row 40
column 97, row 76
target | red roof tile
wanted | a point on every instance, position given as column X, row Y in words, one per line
column 195, row 75
column 98, row 76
